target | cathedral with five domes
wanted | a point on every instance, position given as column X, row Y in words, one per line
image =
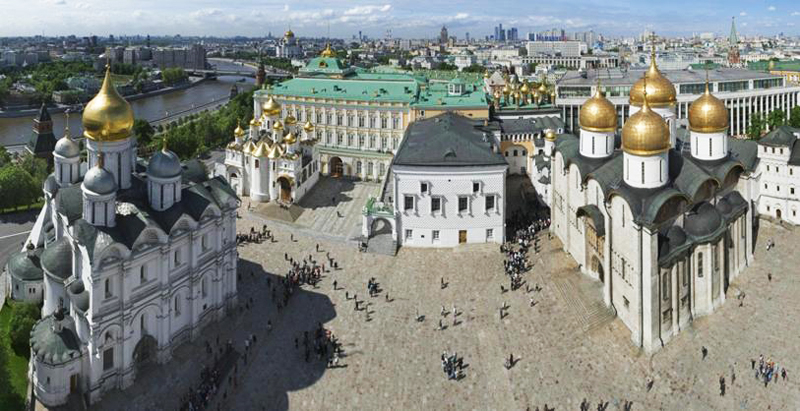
column 129, row 257
column 664, row 216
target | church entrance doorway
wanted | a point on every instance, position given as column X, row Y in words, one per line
column 73, row 383
column 462, row 236
column 336, row 167
column 379, row 227
column 286, row 189
column 145, row 351
column 233, row 179
column 778, row 213
column 598, row 268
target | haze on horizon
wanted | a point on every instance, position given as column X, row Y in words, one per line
column 403, row 17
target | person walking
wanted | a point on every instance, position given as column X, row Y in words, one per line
column 704, row 351
column 721, row 385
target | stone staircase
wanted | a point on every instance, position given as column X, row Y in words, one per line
column 382, row 244
column 585, row 301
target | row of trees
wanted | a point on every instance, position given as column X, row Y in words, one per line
column 173, row 75
column 44, row 77
column 21, row 180
column 776, row 118
column 200, row 132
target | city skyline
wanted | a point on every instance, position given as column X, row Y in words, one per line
column 403, row 18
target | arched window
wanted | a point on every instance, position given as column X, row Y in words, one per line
column 203, row 287
column 256, row 163
column 108, row 288
column 142, row 323
column 700, row 265
column 177, row 305
column 108, row 352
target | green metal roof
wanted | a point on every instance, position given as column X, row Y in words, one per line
column 785, row 65
column 325, row 65
column 437, row 95
column 53, row 347
column 403, row 91
column 25, row 265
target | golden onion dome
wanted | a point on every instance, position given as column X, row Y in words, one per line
column 542, row 88
column 486, row 74
column 262, row 149
column 660, row 91
column 276, row 151
column 290, row 138
column 525, row 89
column 254, row 122
column 271, row 107
column 290, row 120
column 550, row 135
column 328, row 52
column 288, row 33
column 708, row 114
column 277, row 125
column 598, row 114
column 645, row 133
column 308, row 127
column 497, row 94
column 238, row 131
column 108, row 117
column 506, row 89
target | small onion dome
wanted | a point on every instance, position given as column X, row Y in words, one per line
column 536, row 94
column 276, row 151
column 233, row 146
column 645, row 133
column 550, row 135
column 249, row 147
column 271, row 107
column 328, row 52
column 506, row 89
column 524, row 89
column 288, row 33
column 99, row 180
column 262, row 149
column 290, row 120
column 542, row 88
column 164, row 164
column 56, row 259
column 290, row 138
column 255, row 122
column 486, row 74
column 108, row 117
column 598, row 114
column 660, row 91
column 277, row 126
column 66, row 146
column 497, row 95
column 308, row 127
column 708, row 114
column 238, row 131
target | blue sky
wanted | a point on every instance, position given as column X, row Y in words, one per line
column 406, row 18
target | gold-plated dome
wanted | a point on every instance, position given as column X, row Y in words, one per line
column 308, row 127
column 276, row 151
column 271, row 107
column 506, row 89
column 486, row 74
column 277, row 125
column 290, row 138
column 598, row 114
column 108, row 117
column 524, row 89
column 708, row 114
column 328, row 52
column 550, row 135
column 255, row 122
column 238, row 131
column 288, row 33
column 645, row 133
column 660, row 91
column 542, row 88
column 497, row 95
column 249, row 147
column 262, row 149
column 290, row 120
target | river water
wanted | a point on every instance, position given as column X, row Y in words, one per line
column 14, row 131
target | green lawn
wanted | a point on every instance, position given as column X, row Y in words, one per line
column 16, row 369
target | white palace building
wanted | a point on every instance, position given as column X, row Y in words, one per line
column 132, row 258
column 663, row 217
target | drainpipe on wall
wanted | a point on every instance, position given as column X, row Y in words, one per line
column 641, row 291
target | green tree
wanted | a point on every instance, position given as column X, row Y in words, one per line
column 756, row 127
column 24, row 316
column 5, row 157
column 17, row 187
column 776, row 118
column 795, row 120
column 475, row 68
column 143, row 131
column 173, row 75
column 35, row 166
column 444, row 66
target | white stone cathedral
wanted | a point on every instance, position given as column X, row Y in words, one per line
column 134, row 258
column 665, row 221
column 274, row 160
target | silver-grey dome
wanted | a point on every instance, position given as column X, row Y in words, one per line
column 67, row 147
column 164, row 164
column 99, row 180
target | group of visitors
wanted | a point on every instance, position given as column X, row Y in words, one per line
column 768, row 371
column 210, row 380
column 255, row 236
column 453, row 366
column 321, row 343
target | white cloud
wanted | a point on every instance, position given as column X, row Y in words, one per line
column 796, row 13
column 367, row 10
column 771, row 8
column 285, row 7
column 82, row 6
column 461, row 16
column 743, row 14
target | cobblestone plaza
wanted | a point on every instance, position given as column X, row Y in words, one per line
column 569, row 347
